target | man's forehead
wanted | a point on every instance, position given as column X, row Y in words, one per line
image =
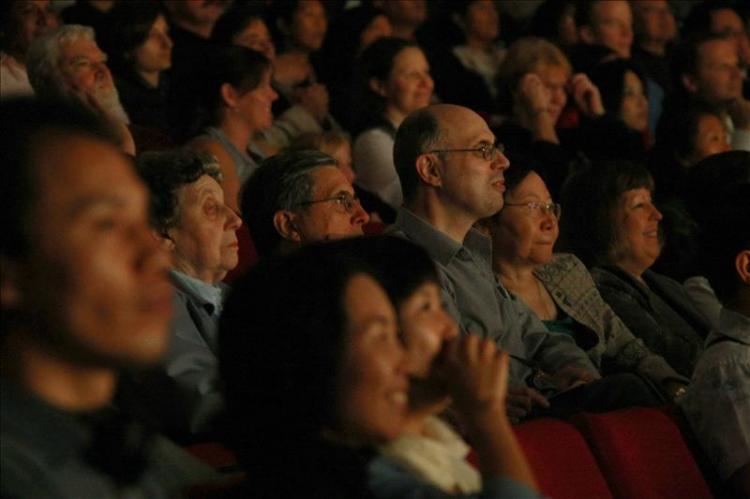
column 329, row 181
column 80, row 47
column 464, row 126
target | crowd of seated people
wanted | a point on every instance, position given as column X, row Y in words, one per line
column 463, row 216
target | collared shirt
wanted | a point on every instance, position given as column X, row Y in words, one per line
column 211, row 295
column 45, row 453
column 717, row 404
column 481, row 305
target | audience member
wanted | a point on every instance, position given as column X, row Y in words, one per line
column 654, row 28
column 324, row 382
column 558, row 288
column 85, row 296
column 140, row 52
column 534, row 80
column 236, row 99
column 395, row 81
column 67, row 63
column 612, row 225
column 452, row 176
column 718, row 403
column 720, row 18
column 335, row 144
column 555, row 21
column 406, row 16
column 606, row 22
column 189, row 215
column 300, row 197
column 430, row 455
column 21, row 21
column 707, row 68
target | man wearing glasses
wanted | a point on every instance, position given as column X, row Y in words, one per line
column 451, row 174
column 299, row 197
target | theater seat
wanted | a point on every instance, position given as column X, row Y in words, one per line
column 561, row 460
column 642, row 455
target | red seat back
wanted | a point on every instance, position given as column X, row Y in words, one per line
column 642, row 454
column 561, row 460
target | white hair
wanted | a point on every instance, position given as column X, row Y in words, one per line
column 43, row 59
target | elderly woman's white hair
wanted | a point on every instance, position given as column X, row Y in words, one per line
column 43, row 59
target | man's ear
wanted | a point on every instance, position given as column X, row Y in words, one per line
column 377, row 86
column 10, row 294
column 689, row 83
column 285, row 224
column 228, row 94
column 742, row 265
column 428, row 169
column 586, row 34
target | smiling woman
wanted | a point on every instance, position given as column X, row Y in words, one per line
column 612, row 224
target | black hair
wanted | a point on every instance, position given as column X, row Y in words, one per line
column 609, row 78
column 165, row 173
column 698, row 21
column 282, row 338
column 235, row 20
column 546, row 20
column 26, row 124
column 417, row 133
column 724, row 235
column 591, row 200
column 130, row 28
column 710, row 177
column 281, row 182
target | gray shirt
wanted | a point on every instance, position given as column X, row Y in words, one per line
column 481, row 305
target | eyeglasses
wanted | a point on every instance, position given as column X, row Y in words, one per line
column 487, row 151
column 346, row 202
column 535, row 208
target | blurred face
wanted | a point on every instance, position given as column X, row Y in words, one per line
column 155, row 54
column 309, row 25
column 566, row 27
column 424, row 325
column 198, row 11
column 634, row 106
column 555, row 78
column 472, row 185
column 378, row 28
column 329, row 220
column 521, row 234
column 653, row 21
column 612, row 26
column 84, row 67
column 483, row 20
column 373, row 387
column 711, row 138
column 343, row 157
column 717, row 79
column 405, row 12
column 255, row 105
column 96, row 276
column 204, row 239
column 31, row 19
column 409, row 86
column 727, row 22
column 639, row 231
column 256, row 37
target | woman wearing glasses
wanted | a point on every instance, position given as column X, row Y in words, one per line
column 558, row 288
column 613, row 226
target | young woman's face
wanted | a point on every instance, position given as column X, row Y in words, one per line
column 155, row 53
column 373, row 384
column 525, row 231
column 256, row 37
column 711, row 138
column 309, row 25
column 634, row 105
column 409, row 86
column 255, row 105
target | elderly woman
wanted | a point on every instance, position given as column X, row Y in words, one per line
column 612, row 225
column 558, row 288
column 190, row 215
column 344, row 373
column 237, row 98
column 534, row 81
column 395, row 81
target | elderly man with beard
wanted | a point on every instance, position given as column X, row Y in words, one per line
column 67, row 63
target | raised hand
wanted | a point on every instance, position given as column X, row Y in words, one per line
column 586, row 95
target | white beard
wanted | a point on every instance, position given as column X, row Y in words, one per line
column 109, row 101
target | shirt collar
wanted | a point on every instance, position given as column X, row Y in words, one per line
column 209, row 295
column 734, row 325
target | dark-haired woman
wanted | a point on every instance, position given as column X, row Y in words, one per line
column 612, row 225
column 140, row 51
column 237, row 98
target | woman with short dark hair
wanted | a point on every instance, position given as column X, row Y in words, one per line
column 612, row 225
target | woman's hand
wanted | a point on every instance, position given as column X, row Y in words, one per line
column 586, row 95
column 533, row 95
